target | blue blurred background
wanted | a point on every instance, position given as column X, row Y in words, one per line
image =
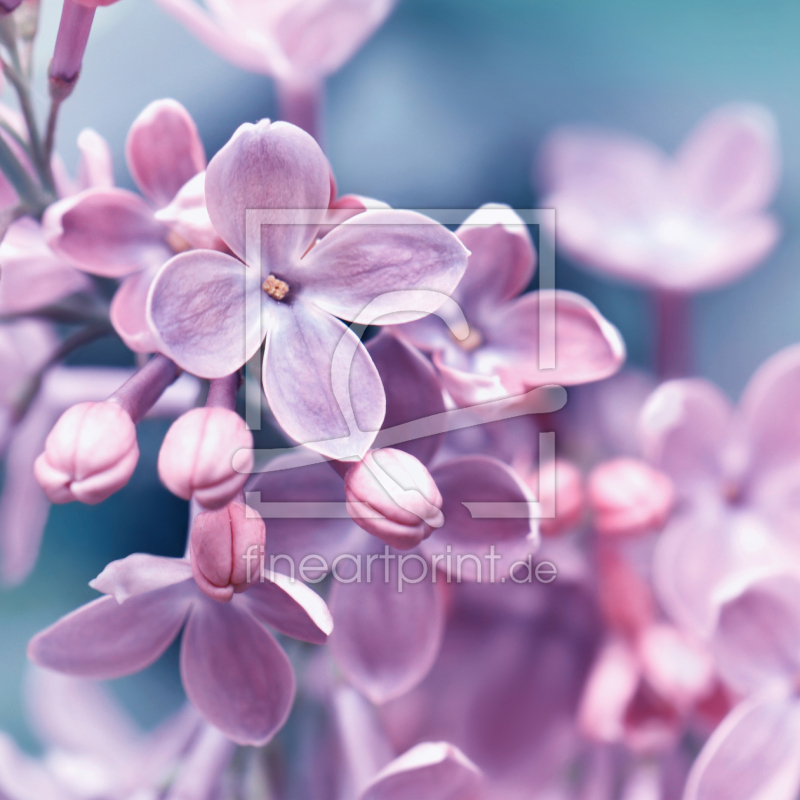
column 444, row 107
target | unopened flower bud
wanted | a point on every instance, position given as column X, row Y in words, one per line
column 568, row 500
column 7, row 6
column 391, row 495
column 629, row 497
column 90, row 453
column 196, row 458
column 225, row 548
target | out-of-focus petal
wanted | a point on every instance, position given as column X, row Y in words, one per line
column 96, row 166
column 187, row 215
column 433, row 770
column 290, row 607
column 272, row 166
column 164, row 150
column 382, row 259
column 140, row 573
column 106, row 639
column 197, row 308
column 753, row 755
column 385, row 640
column 128, row 312
column 236, row 673
column 108, row 232
column 321, row 383
column 730, row 161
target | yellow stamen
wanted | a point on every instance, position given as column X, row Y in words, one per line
column 177, row 242
column 275, row 287
column 472, row 342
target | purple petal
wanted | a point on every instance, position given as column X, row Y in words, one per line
column 187, row 216
column 128, row 312
column 730, row 161
column 236, row 673
column 382, row 259
column 34, row 276
column 587, row 346
column 196, row 307
column 433, row 770
column 164, row 150
column 754, row 753
column 501, row 262
column 385, row 641
column 269, row 166
column 290, row 607
column 96, row 166
column 108, row 232
column 324, row 395
column 412, row 391
column 468, row 388
column 140, row 573
column 683, row 427
column 25, row 778
column 106, row 639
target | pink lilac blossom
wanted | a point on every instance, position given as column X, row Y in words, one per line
column 296, row 289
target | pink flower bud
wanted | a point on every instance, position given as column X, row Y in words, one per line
column 90, row 453
column 196, row 458
column 629, row 497
column 225, row 548
column 569, row 499
column 391, row 495
column 7, row 6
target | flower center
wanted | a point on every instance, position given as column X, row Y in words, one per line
column 275, row 287
column 177, row 242
column 473, row 341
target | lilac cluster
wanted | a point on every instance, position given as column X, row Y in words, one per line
column 521, row 599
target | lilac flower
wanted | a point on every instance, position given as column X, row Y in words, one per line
column 233, row 669
column 735, row 473
column 499, row 354
column 116, row 233
column 198, row 302
column 683, row 224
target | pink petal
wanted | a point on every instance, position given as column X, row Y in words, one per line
column 34, row 276
column 467, row 388
column 588, row 347
column 96, row 166
column 140, row 573
column 433, row 770
column 236, row 673
column 106, row 639
column 24, row 777
column 730, row 161
column 412, row 391
column 753, row 754
column 108, row 232
column 187, row 216
column 381, row 260
column 164, row 150
column 502, row 259
column 683, row 427
column 385, row 641
column 196, row 308
column 326, row 396
column 128, row 312
column 290, row 607
column 269, row 166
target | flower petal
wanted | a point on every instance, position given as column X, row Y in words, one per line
column 106, row 639
column 269, row 166
column 128, row 312
column 400, row 264
column 96, row 166
column 385, row 641
column 321, row 383
column 412, row 392
column 197, row 309
column 291, row 607
column 433, row 770
column 753, row 755
column 164, row 150
column 140, row 573
column 187, row 215
column 236, row 673
column 108, row 232
column 730, row 161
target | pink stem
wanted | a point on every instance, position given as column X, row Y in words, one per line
column 222, row 392
column 73, row 34
column 141, row 391
column 302, row 106
column 673, row 334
